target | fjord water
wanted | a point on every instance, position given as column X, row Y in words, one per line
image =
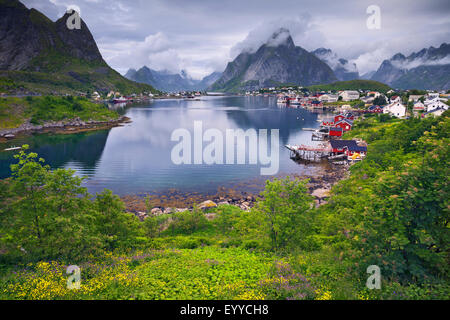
column 136, row 158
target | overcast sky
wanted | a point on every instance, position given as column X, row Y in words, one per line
column 201, row 36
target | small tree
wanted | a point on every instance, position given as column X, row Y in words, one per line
column 48, row 213
column 113, row 223
column 286, row 206
column 189, row 221
column 380, row 101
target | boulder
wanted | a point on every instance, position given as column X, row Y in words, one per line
column 156, row 212
column 207, row 204
column 222, row 203
column 169, row 210
column 141, row 215
column 244, row 207
column 321, row 193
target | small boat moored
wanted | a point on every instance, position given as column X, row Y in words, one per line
column 13, row 148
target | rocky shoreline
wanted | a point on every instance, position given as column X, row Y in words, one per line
column 319, row 187
column 61, row 127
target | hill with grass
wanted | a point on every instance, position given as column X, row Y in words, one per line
column 351, row 85
column 15, row 111
column 41, row 56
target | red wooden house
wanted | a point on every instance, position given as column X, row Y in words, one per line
column 349, row 147
column 358, row 149
column 345, row 124
column 349, row 116
column 328, row 123
column 338, row 118
column 335, row 132
column 375, row 109
column 341, row 146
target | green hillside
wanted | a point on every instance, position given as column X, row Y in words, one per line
column 351, row 85
column 16, row 111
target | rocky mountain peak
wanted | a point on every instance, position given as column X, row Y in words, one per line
column 278, row 61
column 343, row 69
column 26, row 34
column 280, row 37
column 427, row 68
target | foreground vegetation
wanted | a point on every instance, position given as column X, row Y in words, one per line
column 16, row 111
column 392, row 211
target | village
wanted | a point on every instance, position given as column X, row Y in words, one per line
column 349, row 105
column 397, row 103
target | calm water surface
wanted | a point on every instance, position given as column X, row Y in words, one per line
column 136, row 158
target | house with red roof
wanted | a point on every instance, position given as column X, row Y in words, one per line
column 345, row 124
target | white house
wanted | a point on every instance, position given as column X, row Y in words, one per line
column 435, row 112
column 375, row 94
column 329, row 98
column 414, row 97
column 435, row 103
column 367, row 100
column 395, row 99
column 432, row 95
column 419, row 106
column 349, row 95
column 396, row 109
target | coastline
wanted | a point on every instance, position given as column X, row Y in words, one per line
column 61, row 127
column 319, row 186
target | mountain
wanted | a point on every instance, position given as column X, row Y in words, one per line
column 276, row 62
column 40, row 55
column 207, row 81
column 426, row 69
column 343, row 69
column 170, row 82
column 368, row 75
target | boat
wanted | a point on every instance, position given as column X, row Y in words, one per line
column 192, row 98
column 13, row 148
column 119, row 100
column 282, row 99
column 294, row 101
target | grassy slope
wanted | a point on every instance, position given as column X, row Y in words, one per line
column 351, row 85
column 15, row 111
column 76, row 78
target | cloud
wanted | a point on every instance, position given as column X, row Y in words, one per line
column 371, row 60
column 301, row 28
column 423, row 61
column 334, row 61
column 205, row 35
column 155, row 51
